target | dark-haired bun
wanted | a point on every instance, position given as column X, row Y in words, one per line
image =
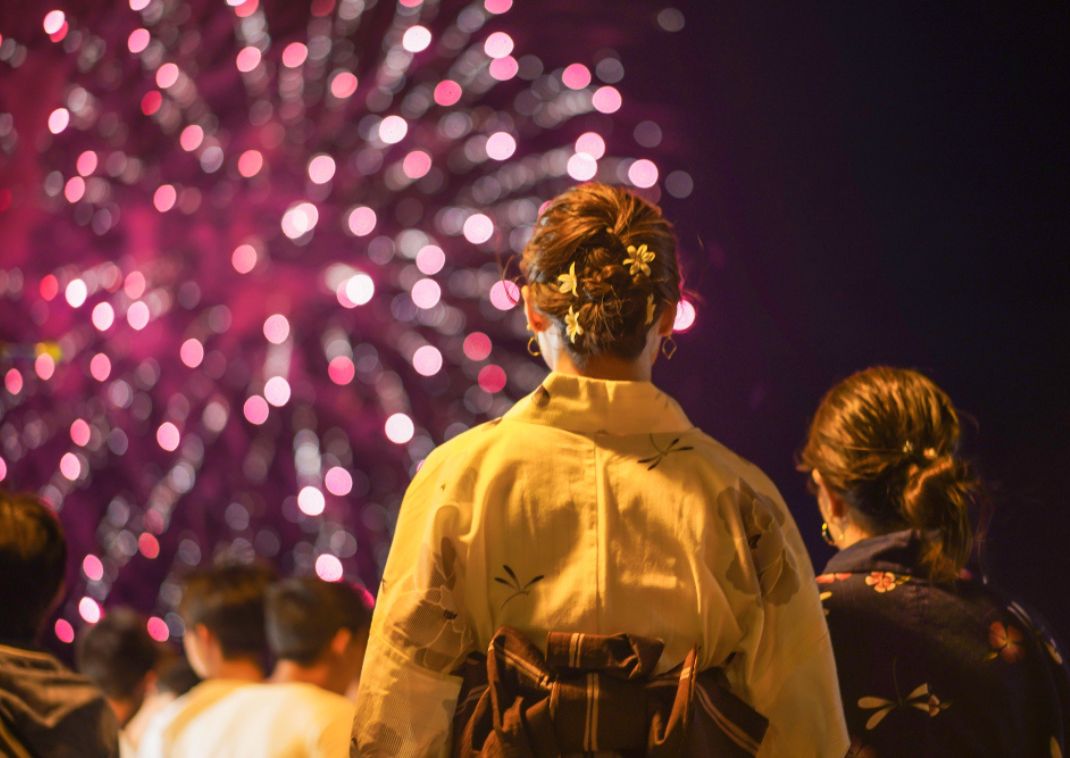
column 936, row 501
column 885, row 440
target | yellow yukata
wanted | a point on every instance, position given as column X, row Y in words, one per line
column 596, row 506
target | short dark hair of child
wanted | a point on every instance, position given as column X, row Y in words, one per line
column 33, row 559
column 175, row 675
column 304, row 614
column 229, row 601
column 117, row 652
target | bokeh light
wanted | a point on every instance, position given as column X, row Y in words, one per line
column 93, row 568
column 191, row 352
column 343, row 84
column 89, row 610
column 58, row 120
column 244, row 258
column 80, row 432
column 277, row 391
column 504, row 295
column 338, row 481
column 426, row 293
column 321, row 169
column 477, row 346
column 685, row 316
column 361, row 221
column 256, row 410
column 241, row 270
column 643, row 173
column 447, row 92
column 498, row 45
column 592, row 144
column 329, row 568
column 64, row 631
column 416, row 38
column 427, row 360
column 168, row 436
column 581, row 167
column 501, row 146
column 311, row 501
column 399, row 428
column 393, row 129
column 157, row 629
column 492, row 378
column 576, row 76
column 607, row 99
column 299, row 219
column 478, row 228
column 276, row 328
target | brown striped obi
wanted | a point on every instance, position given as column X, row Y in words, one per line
column 596, row 695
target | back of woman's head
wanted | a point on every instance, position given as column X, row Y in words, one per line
column 886, row 440
column 622, row 254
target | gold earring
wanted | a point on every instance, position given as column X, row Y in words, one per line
column 533, row 346
column 826, row 534
column 668, row 348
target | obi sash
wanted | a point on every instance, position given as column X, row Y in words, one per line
column 596, row 695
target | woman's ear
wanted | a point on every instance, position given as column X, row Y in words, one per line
column 667, row 320
column 833, row 506
column 537, row 322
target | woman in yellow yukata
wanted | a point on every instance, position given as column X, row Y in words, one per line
column 594, row 507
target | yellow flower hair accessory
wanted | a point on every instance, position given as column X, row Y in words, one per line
column 639, row 260
column 650, row 308
column 572, row 324
column 567, row 282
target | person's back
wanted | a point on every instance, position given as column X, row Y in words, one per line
column 317, row 631
column 595, row 507
column 222, row 609
column 931, row 661
column 45, row 708
column 118, row 656
column 280, row 720
column 936, row 669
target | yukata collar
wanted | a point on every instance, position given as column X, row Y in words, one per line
column 898, row 552
column 600, row 406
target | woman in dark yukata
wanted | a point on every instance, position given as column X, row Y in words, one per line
column 931, row 661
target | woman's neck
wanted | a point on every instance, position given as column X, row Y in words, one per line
column 604, row 367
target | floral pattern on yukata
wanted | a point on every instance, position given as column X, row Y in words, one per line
column 1006, row 642
column 984, row 682
column 380, row 742
column 778, row 577
column 884, row 581
column 428, row 618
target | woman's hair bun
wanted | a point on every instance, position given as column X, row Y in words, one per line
column 885, row 439
column 602, row 258
column 936, row 501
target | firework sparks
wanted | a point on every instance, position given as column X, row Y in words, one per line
column 256, row 271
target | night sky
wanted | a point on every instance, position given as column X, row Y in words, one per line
column 887, row 184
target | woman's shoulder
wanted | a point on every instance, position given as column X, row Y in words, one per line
column 733, row 465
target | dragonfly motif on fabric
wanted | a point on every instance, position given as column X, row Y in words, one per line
column 512, row 581
column 920, row 698
column 654, row 461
